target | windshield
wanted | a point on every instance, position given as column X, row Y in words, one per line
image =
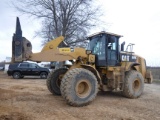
column 97, row 46
column 92, row 43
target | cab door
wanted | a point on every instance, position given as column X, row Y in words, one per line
column 99, row 50
column 112, row 49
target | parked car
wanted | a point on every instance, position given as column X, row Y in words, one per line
column 1, row 68
column 19, row 70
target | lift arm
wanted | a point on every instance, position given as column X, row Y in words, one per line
column 22, row 49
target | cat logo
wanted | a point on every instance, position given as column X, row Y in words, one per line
column 63, row 50
column 125, row 57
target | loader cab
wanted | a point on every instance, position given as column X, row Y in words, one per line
column 105, row 46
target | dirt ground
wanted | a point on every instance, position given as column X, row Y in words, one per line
column 29, row 99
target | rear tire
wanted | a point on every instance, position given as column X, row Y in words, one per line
column 79, row 87
column 54, row 80
column 133, row 84
column 16, row 75
column 43, row 75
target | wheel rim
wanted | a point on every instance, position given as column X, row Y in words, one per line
column 16, row 76
column 43, row 75
column 136, row 85
column 83, row 88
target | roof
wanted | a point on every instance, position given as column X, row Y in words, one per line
column 105, row 33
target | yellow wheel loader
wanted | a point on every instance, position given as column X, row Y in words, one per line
column 101, row 66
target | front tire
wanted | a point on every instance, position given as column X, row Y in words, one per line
column 54, row 80
column 79, row 87
column 133, row 84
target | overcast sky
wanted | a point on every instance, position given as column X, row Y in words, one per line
column 137, row 20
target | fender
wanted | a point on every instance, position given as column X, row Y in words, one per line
column 132, row 66
column 94, row 71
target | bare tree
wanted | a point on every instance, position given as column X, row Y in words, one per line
column 69, row 18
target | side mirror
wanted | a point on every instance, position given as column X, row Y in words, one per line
column 122, row 46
